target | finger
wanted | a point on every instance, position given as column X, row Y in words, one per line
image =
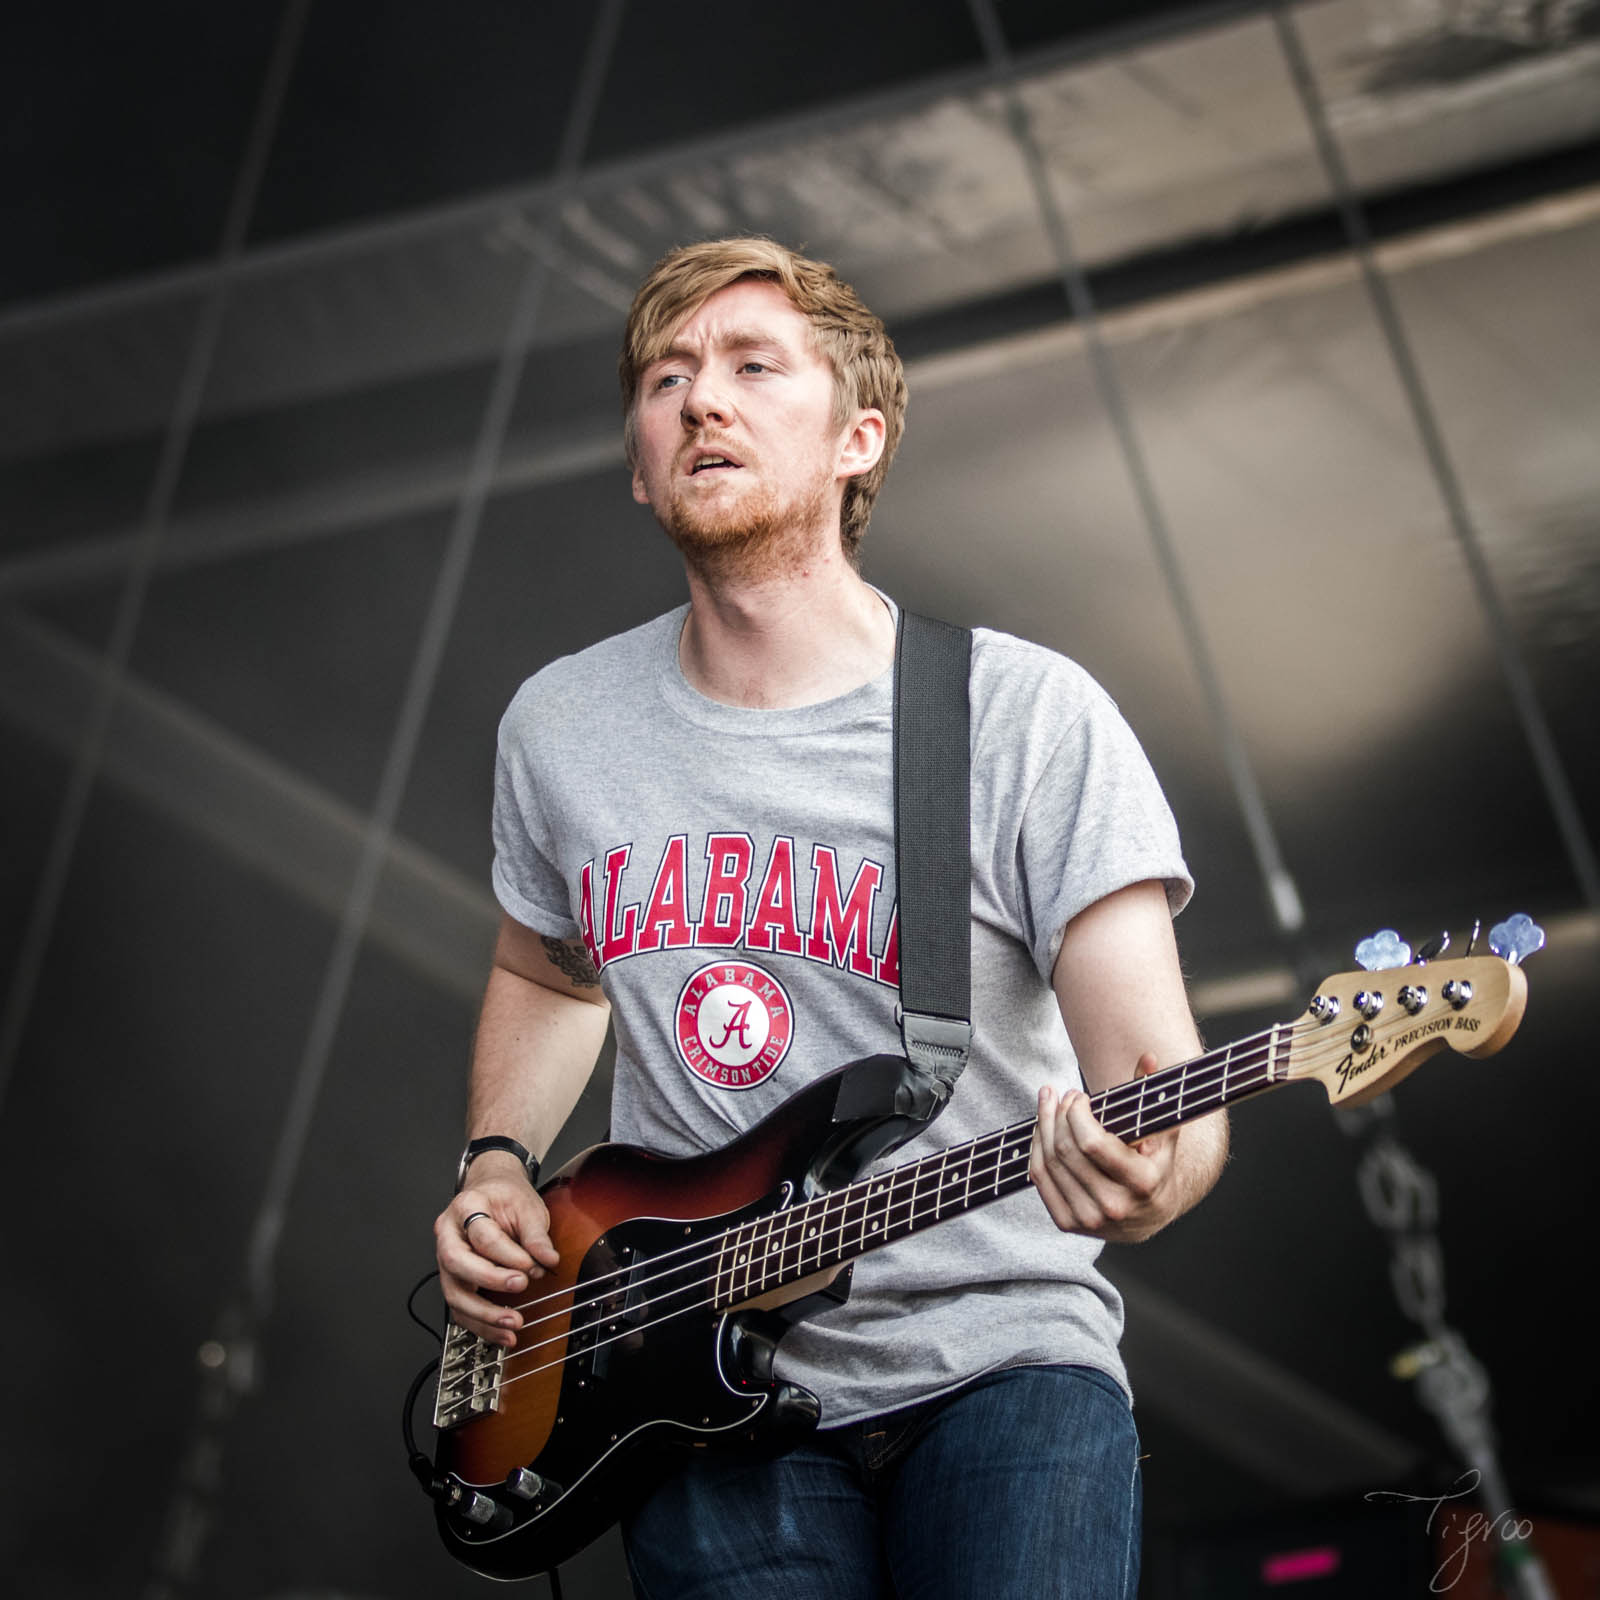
column 1098, row 1158
column 518, row 1230
column 1072, row 1204
column 1077, row 1151
column 460, row 1258
column 489, row 1235
column 474, row 1311
column 526, row 1221
column 1071, row 1208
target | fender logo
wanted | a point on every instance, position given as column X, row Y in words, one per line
column 1350, row 1069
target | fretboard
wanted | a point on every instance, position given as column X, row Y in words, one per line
column 816, row 1234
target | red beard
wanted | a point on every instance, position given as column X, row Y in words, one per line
column 751, row 535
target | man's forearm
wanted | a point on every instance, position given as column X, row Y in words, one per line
column 1201, row 1154
column 534, row 1052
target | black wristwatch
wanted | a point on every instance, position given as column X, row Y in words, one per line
column 495, row 1141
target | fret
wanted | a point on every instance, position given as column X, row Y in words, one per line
column 772, row 1265
column 813, row 1235
column 834, row 1237
column 752, row 1255
column 755, row 1258
column 1107, row 1108
column 764, row 1250
column 1183, row 1078
column 789, row 1261
column 1161, row 1103
column 999, row 1151
column 772, row 1272
column 1138, row 1116
column 936, row 1172
column 850, row 1198
column 915, row 1170
column 1227, row 1062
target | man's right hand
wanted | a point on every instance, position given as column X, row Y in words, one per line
column 495, row 1236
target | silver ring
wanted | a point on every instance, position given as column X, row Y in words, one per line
column 470, row 1220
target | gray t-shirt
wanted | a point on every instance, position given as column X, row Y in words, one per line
column 732, row 871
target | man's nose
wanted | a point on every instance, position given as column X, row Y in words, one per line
column 704, row 401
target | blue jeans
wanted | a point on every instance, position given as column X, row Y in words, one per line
column 1022, row 1485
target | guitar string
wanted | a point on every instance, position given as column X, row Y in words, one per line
column 1246, row 1054
column 863, row 1186
column 973, row 1155
column 1253, row 1050
column 663, row 1317
column 972, row 1151
column 861, row 1190
column 1021, row 1154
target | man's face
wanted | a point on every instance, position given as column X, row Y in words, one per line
column 736, row 451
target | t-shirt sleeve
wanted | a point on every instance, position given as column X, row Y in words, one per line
column 1096, row 822
column 527, row 881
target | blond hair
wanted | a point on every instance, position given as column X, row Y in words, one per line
column 866, row 370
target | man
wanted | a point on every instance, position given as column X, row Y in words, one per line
column 720, row 779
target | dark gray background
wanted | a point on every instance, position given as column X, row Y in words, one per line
column 247, row 588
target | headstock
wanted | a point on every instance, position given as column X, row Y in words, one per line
column 1365, row 1031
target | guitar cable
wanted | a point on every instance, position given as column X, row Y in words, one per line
column 420, row 1463
column 411, row 1307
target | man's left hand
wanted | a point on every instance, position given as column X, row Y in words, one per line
column 1090, row 1181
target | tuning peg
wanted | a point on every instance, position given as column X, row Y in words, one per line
column 1383, row 951
column 1517, row 938
column 1434, row 948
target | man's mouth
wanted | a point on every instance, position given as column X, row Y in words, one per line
column 713, row 463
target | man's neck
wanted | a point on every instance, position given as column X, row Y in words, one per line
column 811, row 634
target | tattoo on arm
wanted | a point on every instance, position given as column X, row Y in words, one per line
column 573, row 960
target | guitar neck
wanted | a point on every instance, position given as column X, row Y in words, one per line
column 796, row 1241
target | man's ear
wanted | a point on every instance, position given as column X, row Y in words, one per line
column 862, row 447
column 638, row 487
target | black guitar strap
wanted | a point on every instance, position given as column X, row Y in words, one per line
column 933, row 856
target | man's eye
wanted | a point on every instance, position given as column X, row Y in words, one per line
column 667, row 379
column 753, row 366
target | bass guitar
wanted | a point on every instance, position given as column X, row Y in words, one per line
column 655, row 1336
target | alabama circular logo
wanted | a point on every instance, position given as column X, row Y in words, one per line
column 735, row 1024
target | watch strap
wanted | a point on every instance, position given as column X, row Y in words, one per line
column 495, row 1141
